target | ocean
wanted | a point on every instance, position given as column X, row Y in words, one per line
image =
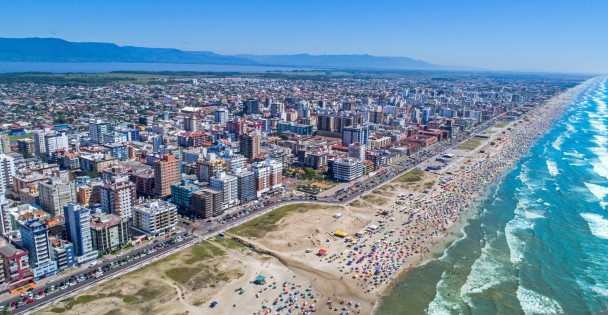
column 539, row 243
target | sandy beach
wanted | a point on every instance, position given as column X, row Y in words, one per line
column 302, row 265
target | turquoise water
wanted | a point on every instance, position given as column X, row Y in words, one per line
column 539, row 244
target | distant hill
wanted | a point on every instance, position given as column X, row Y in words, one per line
column 342, row 61
column 59, row 50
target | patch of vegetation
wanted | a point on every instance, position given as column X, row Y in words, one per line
column 358, row 203
column 411, row 176
column 128, row 298
column 203, row 252
column 25, row 136
column 259, row 226
column 58, row 310
column 229, row 243
column 84, row 299
column 429, row 185
column 469, row 145
column 374, row 199
column 502, row 124
column 149, row 292
column 181, row 275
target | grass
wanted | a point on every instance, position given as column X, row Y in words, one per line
column 181, row 275
column 200, row 253
column 149, row 291
column 259, row 226
column 129, row 298
column 84, row 299
column 374, row 199
column 58, row 310
column 17, row 137
column 502, row 124
column 429, row 185
column 203, row 252
column 199, row 266
column 228, row 243
column 470, row 144
column 410, row 177
column 358, row 203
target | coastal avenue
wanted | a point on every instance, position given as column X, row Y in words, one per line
column 205, row 230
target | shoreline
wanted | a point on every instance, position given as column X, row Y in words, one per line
column 416, row 230
column 455, row 231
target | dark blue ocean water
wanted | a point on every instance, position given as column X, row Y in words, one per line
column 539, row 244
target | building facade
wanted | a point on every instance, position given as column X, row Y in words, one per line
column 78, row 230
column 228, row 185
column 207, row 202
column 109, row 232
column 347, row 169
column 155, row 217
column 35, row 239
column 166, row 173
column 55, row 193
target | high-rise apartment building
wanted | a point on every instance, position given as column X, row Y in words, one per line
column 251, row 145
column 220, row 115
column 228, row 185
column 166, row 172
column 207, row 202
column 208, row 167
column 268, row 175
column 7, row 172
column 27, row 147
column 97, row 129
column 16, row 269
column 109, row 232
column 191, row 123
column 55, row 194
column 347, row 169
column 35, row 239
column 154, row 217
column 78, row 230
column 117, row 196
column 356, row 150
column 351, row 135
column 5, row 143
column 251, row 106
column 181, row 194
column 246, row 185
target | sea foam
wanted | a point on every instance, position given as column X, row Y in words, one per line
column 485, row 273
column 535, row 303
column 557, row 144
column 598, row 191
column 552, row 167
column 597, row 224
column 600, row 165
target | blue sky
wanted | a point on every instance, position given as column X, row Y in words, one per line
column 533, row 35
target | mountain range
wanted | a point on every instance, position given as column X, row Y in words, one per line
column 57, row 50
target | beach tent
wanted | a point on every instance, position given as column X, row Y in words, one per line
column 260, row 279
column 340, row 233
column 322, row 252
column 372, row 227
